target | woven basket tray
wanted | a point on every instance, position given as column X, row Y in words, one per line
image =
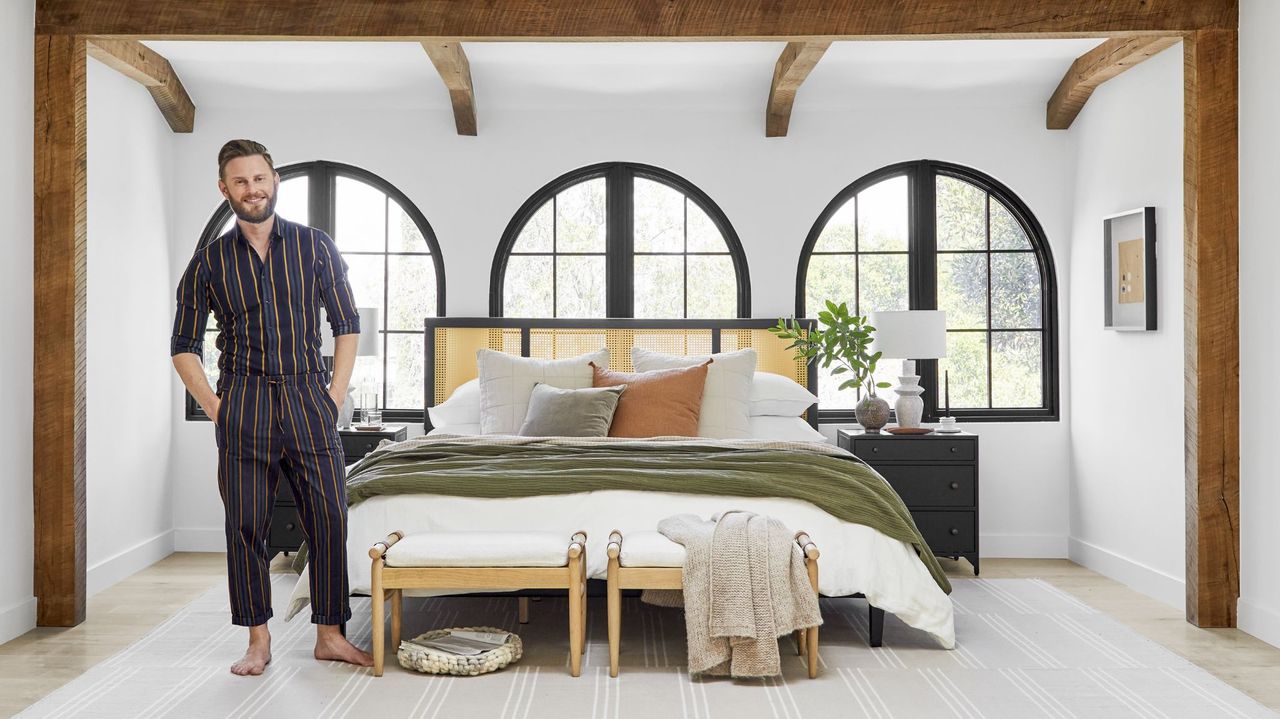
column 433, row 661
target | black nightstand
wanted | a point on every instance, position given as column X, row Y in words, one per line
column 937, row 477
column 285, row 534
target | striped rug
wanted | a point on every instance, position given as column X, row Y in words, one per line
column 1026, row 649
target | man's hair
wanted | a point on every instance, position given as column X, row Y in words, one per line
column 241, row 148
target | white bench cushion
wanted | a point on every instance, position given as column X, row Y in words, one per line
column 480, row 549
column 649, row 549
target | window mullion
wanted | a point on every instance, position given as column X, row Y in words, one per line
column 923, row 243
column 619, row 242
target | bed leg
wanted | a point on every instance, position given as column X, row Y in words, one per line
column 875, row 622
column 524, row 610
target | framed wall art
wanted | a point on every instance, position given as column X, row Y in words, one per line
column 1129, row 270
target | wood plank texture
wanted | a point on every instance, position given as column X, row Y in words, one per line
column 631, row 20
column 60, row 284
column 1096, row 67
column 794, row 65
column 153, row 71
column 451, row 63
column 1212, row 363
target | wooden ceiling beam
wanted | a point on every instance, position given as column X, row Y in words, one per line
column 1096, row 67
column 451, row 63
column 794, row 65
column 635, row 20
column 148, row 67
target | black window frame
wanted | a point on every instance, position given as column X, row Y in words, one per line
column 321, row 189
column 923, row 253
column 619, row 228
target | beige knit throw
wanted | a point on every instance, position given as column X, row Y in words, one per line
column 745, row 585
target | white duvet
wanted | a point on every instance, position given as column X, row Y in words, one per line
column 854, row 558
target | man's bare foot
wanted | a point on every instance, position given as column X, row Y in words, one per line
column 332, row 646
column 257, row 656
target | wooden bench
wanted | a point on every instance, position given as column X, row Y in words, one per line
column 478, row 561
column 651, row 561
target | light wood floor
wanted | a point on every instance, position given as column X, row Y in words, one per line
column 42, row 660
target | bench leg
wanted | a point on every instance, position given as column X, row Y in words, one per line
column 524, row 610
column 811, row 645
column 799, row 636
column 397, row 615
column 575, row 616
column 614, row 596
column 378, row 600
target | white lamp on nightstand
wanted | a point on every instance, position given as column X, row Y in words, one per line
column 909, row 335
column 370, row 345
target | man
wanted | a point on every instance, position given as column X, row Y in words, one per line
column 266, row 280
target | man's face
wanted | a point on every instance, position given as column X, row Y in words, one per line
column 249, row 185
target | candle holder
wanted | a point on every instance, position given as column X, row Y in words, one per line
column 947, row 423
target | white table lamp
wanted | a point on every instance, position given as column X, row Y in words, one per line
column 370, row 345
column 909, row 335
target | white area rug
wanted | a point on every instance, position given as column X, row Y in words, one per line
column 1026, row 649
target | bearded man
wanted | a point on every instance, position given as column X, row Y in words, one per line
column 275, row 409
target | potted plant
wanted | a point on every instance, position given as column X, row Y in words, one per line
column 845, row 342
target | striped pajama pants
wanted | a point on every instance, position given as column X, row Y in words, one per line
column 269, row 426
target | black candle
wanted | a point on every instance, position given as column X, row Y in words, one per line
column 946, row 379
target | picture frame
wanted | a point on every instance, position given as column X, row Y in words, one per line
column 1129, row 270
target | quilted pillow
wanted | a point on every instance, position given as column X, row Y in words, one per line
column 661, row 403
column 726, row 398
column 507, row 381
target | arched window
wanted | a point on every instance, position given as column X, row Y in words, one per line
column 619, row 240
column 394, row 264
column 933, row 235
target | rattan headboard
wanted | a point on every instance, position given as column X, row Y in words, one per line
column 451, row 344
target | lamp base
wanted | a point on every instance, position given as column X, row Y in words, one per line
column 909, row 407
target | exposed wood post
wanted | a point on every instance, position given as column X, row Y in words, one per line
column 60, row 273
column 148, row 67
column 1211, row 259
column 794, row 65
column 1096, row 67
column 451, row 63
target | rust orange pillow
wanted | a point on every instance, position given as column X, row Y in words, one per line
column 660, row 403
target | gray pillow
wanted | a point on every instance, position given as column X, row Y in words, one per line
column 555, row 412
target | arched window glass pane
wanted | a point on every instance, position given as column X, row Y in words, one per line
column 983, row 259
column 675, row 258
column 392, row 266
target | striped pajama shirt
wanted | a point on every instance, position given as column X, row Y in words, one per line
column 276, row 418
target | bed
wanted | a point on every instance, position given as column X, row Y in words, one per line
column 454, row 482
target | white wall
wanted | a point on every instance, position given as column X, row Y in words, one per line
column 130, row 311
column 1127, row 513
column 1259, row 607
column 17, row 111
column 771, row 190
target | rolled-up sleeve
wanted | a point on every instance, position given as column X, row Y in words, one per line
column 335, row 291
column 193, row 309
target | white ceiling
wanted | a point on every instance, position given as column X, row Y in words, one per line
column 710, row 75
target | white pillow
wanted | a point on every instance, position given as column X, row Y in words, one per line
column 791, row 429
column 726, row 397
column 467, row 429
column 462, row 407
column 777, row 396
column 507, row 381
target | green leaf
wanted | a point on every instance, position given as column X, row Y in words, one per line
column 884, row 385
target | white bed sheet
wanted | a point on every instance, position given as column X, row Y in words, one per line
column 855, row 558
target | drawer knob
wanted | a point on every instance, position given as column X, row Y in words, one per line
column 290, row 526
column 955, row 485
column 953, row 450
column 954, row 531
column 875, row 449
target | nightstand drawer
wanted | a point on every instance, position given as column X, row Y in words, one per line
column 915, row 450
column 286, row 529
column 948, row 532
column 356, row 446
column 933, row 485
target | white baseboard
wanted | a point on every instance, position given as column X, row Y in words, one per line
column 1023, row 546
column 1150, row 581
column 198, row 539
column 128, row 562
column 1262, row 622
column 17, row 619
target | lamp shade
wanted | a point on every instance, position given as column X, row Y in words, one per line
column 910, row 335
column 370, row 323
